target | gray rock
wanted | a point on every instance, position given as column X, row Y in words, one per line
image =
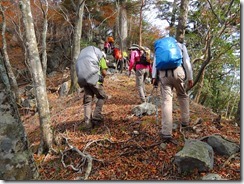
column 222, row 146
column 194, row 155
column 64, row 89
column 212, row 176
column 144, row 109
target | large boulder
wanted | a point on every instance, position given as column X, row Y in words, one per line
column 194, row 155
column 222, row 146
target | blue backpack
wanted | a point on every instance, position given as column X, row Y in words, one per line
column 168, row 53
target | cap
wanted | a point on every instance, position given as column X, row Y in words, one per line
column 134, row 47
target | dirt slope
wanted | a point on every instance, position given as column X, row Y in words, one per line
column 118, row 153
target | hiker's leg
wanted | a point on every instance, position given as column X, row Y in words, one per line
column 87, row 101
column 182, row 96
column 146, row 74
column 139, row 84
column 167, row 96
column 101, row 98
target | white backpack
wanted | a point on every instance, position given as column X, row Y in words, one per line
column 87, row 66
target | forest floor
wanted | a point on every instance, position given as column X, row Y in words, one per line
column 124, row 147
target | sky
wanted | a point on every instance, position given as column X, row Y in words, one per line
column 151, row 15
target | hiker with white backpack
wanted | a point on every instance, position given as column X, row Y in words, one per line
column 91, row 70
column 172, row 64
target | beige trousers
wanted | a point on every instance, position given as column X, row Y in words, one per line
column 141, row 76
column 89, row 92
column 173, row 79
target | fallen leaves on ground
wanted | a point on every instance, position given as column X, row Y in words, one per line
column 118, row 152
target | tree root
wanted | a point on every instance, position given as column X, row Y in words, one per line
column 86, row 159
column 139, row 149
column 229, row 159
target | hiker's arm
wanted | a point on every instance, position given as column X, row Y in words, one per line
column 104, row 72
column 154, row 73
column 187, row 63
column 154, row 70
column 103, row 66
column 132, row 61
column 190, row 83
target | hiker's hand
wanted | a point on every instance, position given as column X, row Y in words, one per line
column 155, row 82
column 129, row 74
column 190, row 83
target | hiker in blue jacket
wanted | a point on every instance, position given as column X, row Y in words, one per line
column 169, row 79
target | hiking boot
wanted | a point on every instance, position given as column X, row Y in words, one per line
column 167, row 139
column 86, row 125
column 186, row 127
column 97, row 121
column 184, row 124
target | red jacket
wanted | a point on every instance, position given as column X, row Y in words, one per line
column 117, row 54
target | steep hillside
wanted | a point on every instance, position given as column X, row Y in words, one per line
column 118, row 152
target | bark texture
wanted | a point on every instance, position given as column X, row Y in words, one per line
column 38, row 78
column 16, row 160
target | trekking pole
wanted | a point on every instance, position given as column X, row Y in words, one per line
column 155, row 100
column 156, row 104
column 151, row 94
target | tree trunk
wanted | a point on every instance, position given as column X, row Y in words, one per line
column 199, row 91
column 76, row 45
column 12, row 78
column 130, row 30
column 140, row 24
column 44, row 9
column 38, row 78
column 17, row 162
column 238, row 114
column 123, row 26
column 172, row 22
column 182, row 21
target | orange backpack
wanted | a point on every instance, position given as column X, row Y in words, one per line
column 117, row 54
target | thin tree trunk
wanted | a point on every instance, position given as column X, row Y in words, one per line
column 44, row 37
column 38, row 78
column 140, row 24
column 11, row 75
column 17, row 162
column 233, row 104
column 238, row 114
column 123, row 26
column 76, row 45
column 182, row 21
column 199, row 91
column 130, row 30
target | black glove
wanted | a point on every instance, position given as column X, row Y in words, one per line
column 101, row 79
column 155, row 82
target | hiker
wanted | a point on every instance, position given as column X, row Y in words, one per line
column 169, row 79
column 126, row 60
column 142, row 70
column 91, row 70
column 106, row 47
column 119, row 60
column 111, row 42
